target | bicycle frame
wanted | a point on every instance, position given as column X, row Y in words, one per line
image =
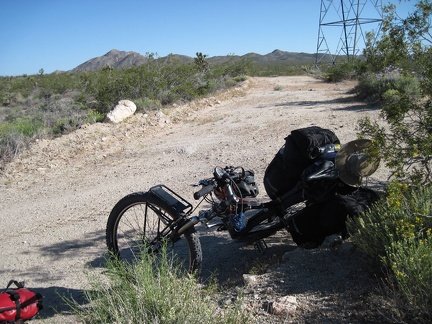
column 263, row 219
column 266, row 217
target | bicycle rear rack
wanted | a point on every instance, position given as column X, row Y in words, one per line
column 173, row 203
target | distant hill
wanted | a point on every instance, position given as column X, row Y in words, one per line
column 115, row 59
column 120, row 59
column 282, row 56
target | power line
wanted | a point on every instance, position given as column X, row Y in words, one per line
column 350, row 18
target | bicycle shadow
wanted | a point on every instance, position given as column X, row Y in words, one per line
column 226, row 260
column 68, row 248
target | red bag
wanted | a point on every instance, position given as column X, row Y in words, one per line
column 18, row 304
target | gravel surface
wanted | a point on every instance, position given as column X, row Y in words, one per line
column 55, row 200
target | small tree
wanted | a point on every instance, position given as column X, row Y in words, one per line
column 200, row 61
column 406, row 145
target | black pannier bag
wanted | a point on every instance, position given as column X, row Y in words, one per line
column 300, row 150
column 310, row 226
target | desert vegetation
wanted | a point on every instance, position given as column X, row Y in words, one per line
column 395, row 74
column 397, row 233
column 153, row 291
column 47, row 105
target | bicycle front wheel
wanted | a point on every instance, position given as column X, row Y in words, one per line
column 136, row 225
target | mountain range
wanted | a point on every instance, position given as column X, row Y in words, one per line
column 121, row 59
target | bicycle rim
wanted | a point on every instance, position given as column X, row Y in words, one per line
column 137, row 226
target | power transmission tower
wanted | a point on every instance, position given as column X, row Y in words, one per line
column 347, row 17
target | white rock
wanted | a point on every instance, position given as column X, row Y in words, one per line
column 123, row 110
column 249, row 279
column 285, row 306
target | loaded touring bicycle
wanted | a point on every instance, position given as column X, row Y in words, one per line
column 313, row 183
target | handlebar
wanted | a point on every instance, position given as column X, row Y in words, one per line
column 220, row 173
column 221, row 178
column 204, row 191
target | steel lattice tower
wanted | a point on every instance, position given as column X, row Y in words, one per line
column 349, row 17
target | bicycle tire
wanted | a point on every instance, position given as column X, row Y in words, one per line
column 135, row 223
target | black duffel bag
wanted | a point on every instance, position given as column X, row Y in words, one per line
column 300, row 150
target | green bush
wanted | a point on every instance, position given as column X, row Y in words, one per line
column 410, row 264
column 344, row 70
column 387, row 86
column 397, row 234
column 17, row 135
column 146, row 104
column 152, row 290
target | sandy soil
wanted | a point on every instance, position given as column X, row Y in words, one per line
column 55, row 199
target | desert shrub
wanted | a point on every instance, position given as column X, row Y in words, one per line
column 165, row 83
column 17, row 135
column 410, row 264
column 57, row 83
column 405, row 143
column 240, row 78
column 277, row 69
column 388, row 221
column 11, row 144
column 387, row 86
column 25, row 126
column 343, row 70
column 167, row 97
column 23, row 85
column 369, row 87
column 12, row 99
column 146, row 104
column 397, row 234
column 108, row 87
column 94, row 117
column 230, row 83
column 61, row 115
column 235, row 68
column 152, row 290
column 399, row 77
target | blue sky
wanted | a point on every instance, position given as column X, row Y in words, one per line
column 61, row 34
